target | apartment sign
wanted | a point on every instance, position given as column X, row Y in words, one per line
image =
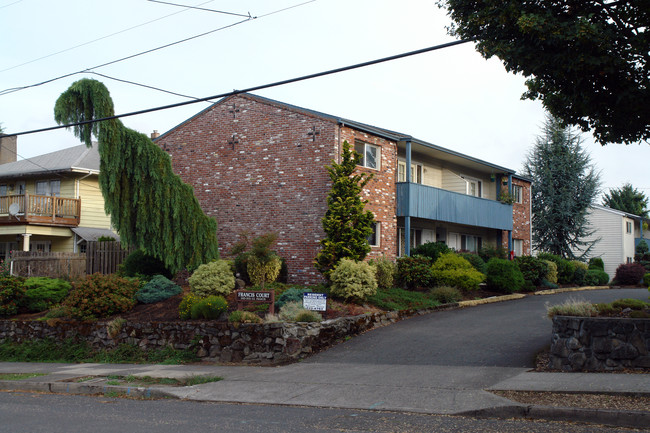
column 314, row 301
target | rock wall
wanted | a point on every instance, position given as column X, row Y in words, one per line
column 599, row 343
column 268, row 343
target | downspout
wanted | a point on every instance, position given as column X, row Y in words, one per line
column 510, row 231
column 78, row 183
column 407, row 211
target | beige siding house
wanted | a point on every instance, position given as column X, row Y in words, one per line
column 51, row 202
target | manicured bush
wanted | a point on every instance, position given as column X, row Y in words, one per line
column 641, row 247
column 629, row 274
column 551, row 275
column 596, row 277
column 446, row 294
column 452, row 270
column 579, row 276
column 533, row 270
column 239, row 316
column 504, row 276
column 261, row 272
column 596, row 263
column 42, row 293
column 294, row 312
column 490, row 251
column 185, row 307
column 565, row 268
column 157, row 289
column 414, row 272
column 12, row 291
column 385, row 271
column 292, row 294
column 353, row 280
column 475, row 260
column 140, row 264
column 214, row 278
column 432, row 250
column 646, row 280
column 210, row 307
column 98, row 296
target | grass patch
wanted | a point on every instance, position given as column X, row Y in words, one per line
column 20, row 376
column 400, row 299
column 169, row 381
column 48, row 350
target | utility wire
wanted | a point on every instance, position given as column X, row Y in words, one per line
column 98, row 39
column 252, row 89
column 6, row 6
column 202, row 9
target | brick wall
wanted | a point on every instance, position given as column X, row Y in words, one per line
column 521, row 218
column 258, row 167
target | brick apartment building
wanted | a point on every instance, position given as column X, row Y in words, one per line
column 258, row 166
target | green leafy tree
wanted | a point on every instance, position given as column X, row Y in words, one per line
column 627, row 199
column 149, row 205
column 346, row 224
column 565, row 184
column 587, row 60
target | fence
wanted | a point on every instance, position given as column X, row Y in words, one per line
column 105, row 257
column 54, row 265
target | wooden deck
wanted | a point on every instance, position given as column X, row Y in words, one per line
column 40, row 210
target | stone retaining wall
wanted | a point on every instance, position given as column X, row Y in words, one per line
column 268, row 343
column 599, row 343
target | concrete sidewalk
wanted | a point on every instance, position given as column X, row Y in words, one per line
column 447, row 390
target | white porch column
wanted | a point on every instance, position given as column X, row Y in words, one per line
column 26, row 237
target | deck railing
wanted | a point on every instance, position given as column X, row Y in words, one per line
column 39, row 209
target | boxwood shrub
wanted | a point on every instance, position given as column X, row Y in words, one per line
column 452, row 270
column 596, row 277
column 504, row 276
column 414, row 272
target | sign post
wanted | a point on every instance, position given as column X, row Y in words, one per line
column 245, row 297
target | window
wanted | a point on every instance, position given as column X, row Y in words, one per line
column 416, row 239
column 370, row 155
column 518, row 247
column 40, row 246
column 474, row 186
column 3, row 190
column 470, row 243
column 373, row 239
column 518, row 193
column 628, row 227
column 416, row 172
column 48, row 187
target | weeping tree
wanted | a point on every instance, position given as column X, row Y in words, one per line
column 150, row 207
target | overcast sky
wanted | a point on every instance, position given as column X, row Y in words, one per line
column 453, row 97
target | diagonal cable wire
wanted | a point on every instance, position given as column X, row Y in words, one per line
column 201, row 9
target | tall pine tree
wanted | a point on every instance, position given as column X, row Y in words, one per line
column 347, row 225
column 565, row 184
column 627, row 199
column 150, row 207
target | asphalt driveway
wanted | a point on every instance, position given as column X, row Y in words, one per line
column 506, row 334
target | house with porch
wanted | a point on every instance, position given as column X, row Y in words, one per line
column 51, row 202
column 259, row 165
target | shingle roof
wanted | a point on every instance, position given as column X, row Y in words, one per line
column 66, row 160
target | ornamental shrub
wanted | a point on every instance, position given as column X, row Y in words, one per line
column 353, row 280
column 185, row 307
column 12, row 291
column 446, row 294
column 98, row 296
column 157, row 289
column 596, row 277
column 293, row 311
column 414, row 272
column 489, row 252
column 646, row 280
column 432, row 250
column 565, row 268
column 210, row 307
column 42, row 293
column 596, row 263
column 504, row 276
column 214, row 278
column 385, row 271
column 580, row 270
column 641, row 247
column 261, row 272
column 140, row 264
column 475, row 260
column 629, row 274
column 533, row 270
column 239, row 316
column 452, row 270
column 551, row 275
column 292, row 294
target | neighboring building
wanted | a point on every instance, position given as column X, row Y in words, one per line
column 258, row 166
column 51, row 202
column 617, row 234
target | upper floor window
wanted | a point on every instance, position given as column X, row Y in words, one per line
column 48, row 187
column 416, row 172
column 474, row 186
column 518, row 193
column 628, row 227
column 370, row 154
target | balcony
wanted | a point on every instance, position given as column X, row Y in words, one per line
column 40, row 210
column 442, row 205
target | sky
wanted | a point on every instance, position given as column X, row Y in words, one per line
column 452, row 97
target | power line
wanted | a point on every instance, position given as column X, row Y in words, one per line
column 255, row 88
column 201, row 9
column 98, row 39
column 10, row 4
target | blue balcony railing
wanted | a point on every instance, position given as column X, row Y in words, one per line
column 442, row 205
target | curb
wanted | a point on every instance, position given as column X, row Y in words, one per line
column 86, row 389
column 570, row 289
column 475, row 302
column 628, row 418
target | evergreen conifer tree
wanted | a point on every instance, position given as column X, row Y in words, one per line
column 627, row 199
column 346, row 224
column 565, row 184
column 150, row 207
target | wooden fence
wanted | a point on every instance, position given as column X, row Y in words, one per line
column 54, row 265
column 105, row 257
